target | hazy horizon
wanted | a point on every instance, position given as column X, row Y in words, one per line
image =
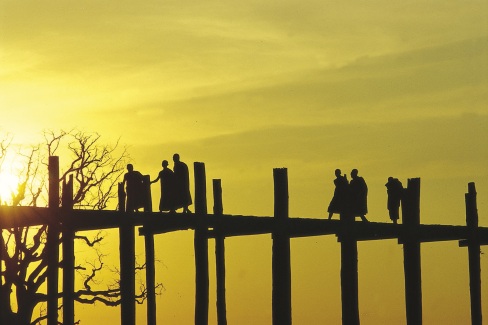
column 390, row 88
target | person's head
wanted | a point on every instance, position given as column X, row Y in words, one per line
column 176, row 157
column 164, row 163
column 354, row 173
column 130, row 167
column 390, row 179
column 338, row 172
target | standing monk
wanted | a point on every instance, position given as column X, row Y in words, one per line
column 394, row 188
column 134, row 189
column 339, row 200
column 166, row 179
column 358, row 195
column 182, row 184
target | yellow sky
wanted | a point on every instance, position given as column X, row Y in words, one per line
column 391, row 88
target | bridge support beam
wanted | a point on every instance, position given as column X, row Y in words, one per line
column 411, row 252
column 3, row 292
column 127, row 271
column 349, row 272
column 150, row 277
column 68, row 254
column 127, row 262
column 220, row 256
column 201, row 248
column 474, row 255
column 281, row 252
column 52, row 242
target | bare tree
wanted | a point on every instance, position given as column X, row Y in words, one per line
column 96, row 169
column 4, row 145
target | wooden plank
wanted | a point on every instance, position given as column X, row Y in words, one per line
column 12, row 217
column 437, row 233
column 363, row 231
column 465, row 242
column 300, row 227
column 231, row 225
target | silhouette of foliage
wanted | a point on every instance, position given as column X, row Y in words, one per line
column 96, row 169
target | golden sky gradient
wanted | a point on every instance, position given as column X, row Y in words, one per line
column 391, row 88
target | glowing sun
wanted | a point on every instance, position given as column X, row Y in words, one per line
column 8, row 185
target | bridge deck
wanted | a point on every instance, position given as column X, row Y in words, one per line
column 227, row 225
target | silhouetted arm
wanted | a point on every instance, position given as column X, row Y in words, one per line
column 157, row 179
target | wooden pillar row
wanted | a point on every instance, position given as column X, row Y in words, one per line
column 52, row 242
column 281, row 261
column 411, row 252
column 201, row 248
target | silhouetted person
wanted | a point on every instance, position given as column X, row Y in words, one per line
column 394, row 188
column 339, row 200
column 166, row 180
column 134, row 189
column 182, row 184
column 358, row 196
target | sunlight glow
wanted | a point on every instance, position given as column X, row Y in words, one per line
column 8, row 186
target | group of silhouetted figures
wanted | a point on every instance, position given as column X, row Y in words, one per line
column 351, row 198
column 175, row 187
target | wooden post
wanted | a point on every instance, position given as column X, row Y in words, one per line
column 53, row 169
column 52, row 242
column 201, row 248
column 2, row 291
column 220, row 256
column 122, row 196
column 127, row 270
column 147, row 193
column 218, row 208
column 68, row 255
column 411, row 252
column 150, row 277
column 474, row 255
column 281, row 272
column 127, row 263
column 349, row 270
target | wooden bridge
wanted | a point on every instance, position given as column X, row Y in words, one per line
column 64, row 219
